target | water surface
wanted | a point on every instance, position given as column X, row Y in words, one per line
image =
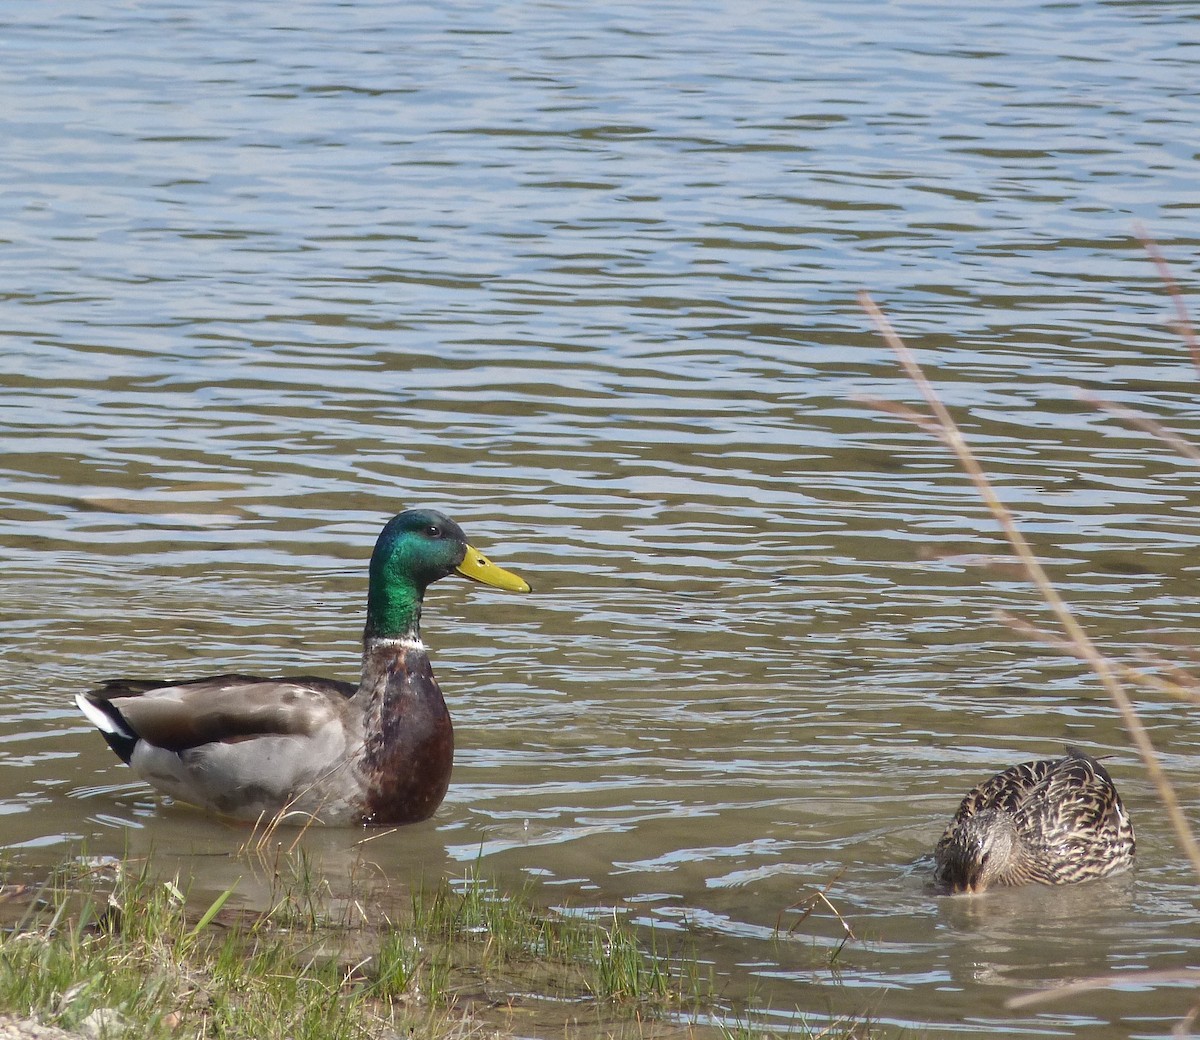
column 584, row 278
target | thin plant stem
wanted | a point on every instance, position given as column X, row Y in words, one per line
column 1144, row 422
column 1084, row 646
column 808, row 905
column 1182, row 318
column 1184, row 691
column 1183, row 1027
column 1125, row 978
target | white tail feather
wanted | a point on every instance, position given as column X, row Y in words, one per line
column 104, row 722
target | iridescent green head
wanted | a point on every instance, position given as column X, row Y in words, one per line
column 415, row 549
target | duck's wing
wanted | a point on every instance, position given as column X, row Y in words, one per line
column 1077, row 804
column 1007, row 791
column 177, row 716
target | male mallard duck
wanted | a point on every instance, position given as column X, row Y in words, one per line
column 376, row 753
column 1054, row 821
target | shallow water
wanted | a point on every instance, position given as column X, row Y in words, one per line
column 584, row 278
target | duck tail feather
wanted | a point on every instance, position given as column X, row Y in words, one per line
column 112, row 727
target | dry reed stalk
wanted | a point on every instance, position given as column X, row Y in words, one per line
column 1183, row 321
column 1144, row 422
column 1185, row 689
column 1182, row 678
column 808, row 905
column 942, row 424
column 1124, row 978
column 1184, row 1026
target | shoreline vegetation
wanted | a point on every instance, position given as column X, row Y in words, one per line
column 109, row 949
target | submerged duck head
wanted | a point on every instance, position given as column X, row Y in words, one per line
column 415, row 549
column 980, row 854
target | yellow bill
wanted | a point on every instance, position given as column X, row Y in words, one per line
column 478, row 567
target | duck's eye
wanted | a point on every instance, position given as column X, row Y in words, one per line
column 433, row 531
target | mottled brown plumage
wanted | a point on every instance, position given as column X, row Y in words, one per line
column 1053, row 822
column 304, row 747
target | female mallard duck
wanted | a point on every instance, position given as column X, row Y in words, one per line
column 1054, row 822
column 375, row 754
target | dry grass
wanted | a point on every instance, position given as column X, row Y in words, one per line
column 1072, row 638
